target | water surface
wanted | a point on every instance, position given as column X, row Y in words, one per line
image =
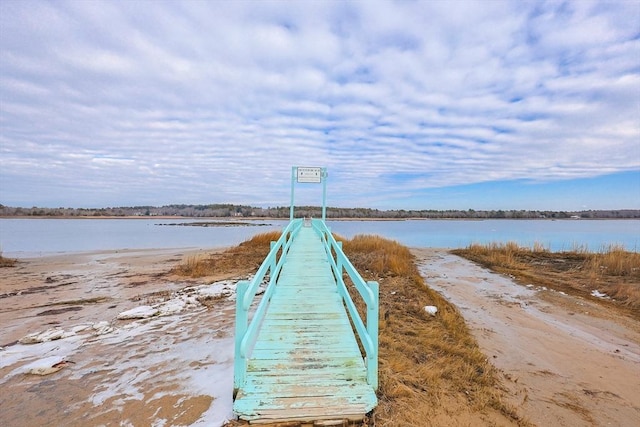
column 33, row 237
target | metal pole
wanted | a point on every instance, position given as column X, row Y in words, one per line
column 324, row 194
column 293, row 177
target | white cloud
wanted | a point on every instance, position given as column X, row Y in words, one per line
column 105, row 103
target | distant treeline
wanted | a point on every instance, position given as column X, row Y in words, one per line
column 228, row 210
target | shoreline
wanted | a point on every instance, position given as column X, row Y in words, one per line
column 24, row 256
column 255, row 218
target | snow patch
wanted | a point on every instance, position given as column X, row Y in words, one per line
column 224, row 289
column 598, row 294
column 187, row 298
column 431, row 310
column 45, row 366
column 141, row 312
column 170, row 307
column 48, row 335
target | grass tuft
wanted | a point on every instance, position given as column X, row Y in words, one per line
column 242, row 259
column 380, row 256
column 7, row 262
column 614, row 261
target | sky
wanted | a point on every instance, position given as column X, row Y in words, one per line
column 408, row 104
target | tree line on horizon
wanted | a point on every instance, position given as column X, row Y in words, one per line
column 244, row 211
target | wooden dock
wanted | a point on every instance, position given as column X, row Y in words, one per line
column 306, row 365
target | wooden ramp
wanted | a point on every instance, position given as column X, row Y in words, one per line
column 306, row 365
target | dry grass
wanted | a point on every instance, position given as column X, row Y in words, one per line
column 424, row 361
column 7, row 262
column 612, row 271
column 615, row 261
column 238, row 260
column 379, row 256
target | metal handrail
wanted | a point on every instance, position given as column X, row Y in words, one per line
column 369, row 291
column 247, row 332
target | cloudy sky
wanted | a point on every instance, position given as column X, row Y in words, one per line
column 409, row 104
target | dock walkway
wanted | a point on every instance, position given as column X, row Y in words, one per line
column 306, row 364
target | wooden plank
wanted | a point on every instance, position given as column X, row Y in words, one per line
column 289, row 343
column 315, row 376
column 291, row 391
column 306, row 364
column 280, row 386
column 283, row 354
column 320, row 405
column 279, row 318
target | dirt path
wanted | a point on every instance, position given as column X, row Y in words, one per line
column 566, row 361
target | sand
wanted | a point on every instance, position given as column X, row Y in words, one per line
column 564, row 360
column 170, row 369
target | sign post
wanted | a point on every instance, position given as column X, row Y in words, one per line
column 309, row 175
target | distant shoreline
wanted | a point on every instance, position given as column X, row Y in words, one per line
column 243, row 212
column 243, row 219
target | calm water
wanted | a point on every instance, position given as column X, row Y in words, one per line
column 33, row 237
column 555, row 235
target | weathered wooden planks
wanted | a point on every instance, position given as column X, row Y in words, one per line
column 306, row 364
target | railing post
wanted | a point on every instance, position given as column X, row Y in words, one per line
column 339, row 259
column 327, row 238
column 240, row 362
column 274, row 261
column 372, row 329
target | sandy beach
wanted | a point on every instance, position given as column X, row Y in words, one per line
column 132, row 345
column 172, row 368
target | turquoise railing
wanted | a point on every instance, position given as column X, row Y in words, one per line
column 369, row 291
column 246, row 332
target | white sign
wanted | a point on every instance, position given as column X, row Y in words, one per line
column 310, row 175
